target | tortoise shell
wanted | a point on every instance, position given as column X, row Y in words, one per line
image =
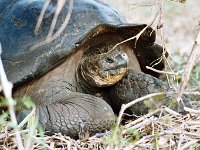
column 24, row 61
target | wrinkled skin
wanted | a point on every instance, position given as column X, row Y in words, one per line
column 62, row 109
column 136, row 84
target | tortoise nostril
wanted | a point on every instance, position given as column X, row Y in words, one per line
column 109, row 60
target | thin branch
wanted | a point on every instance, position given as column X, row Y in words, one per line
column 142, row 118
column 59, row 6
column 60, row 30
column 192, row 93
column 170, row 111
column 7, row 90
column 129, row 39
column 162, row 72
column 41, row 16
column 125, row 106
column 66, row 21
column 136, row 36
column 190, row 110
column 145, row 122
column 189, row 144
column 189, row 66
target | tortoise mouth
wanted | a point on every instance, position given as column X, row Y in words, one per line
column 110, row 77
column 114, row 71
column 117, row 68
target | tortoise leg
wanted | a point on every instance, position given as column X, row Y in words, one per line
column 137, row 84
column 77, row 115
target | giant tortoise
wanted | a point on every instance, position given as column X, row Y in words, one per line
column 74, row 79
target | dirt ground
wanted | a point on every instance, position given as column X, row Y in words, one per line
column 180, row 21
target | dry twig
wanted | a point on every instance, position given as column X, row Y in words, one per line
column 125, row 106
column 162, row 72
column 51, row 37
column 41, row 16
column 189, row 66
column 7, row 90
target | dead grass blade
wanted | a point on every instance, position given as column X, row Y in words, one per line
column 189, row 66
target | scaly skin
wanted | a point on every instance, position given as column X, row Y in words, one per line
column 137, row 84
column 77, row 115
column 66, row 95
column 63, row 104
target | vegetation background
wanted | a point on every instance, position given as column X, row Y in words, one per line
column 180, row 20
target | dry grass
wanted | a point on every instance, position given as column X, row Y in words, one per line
column 169, row 130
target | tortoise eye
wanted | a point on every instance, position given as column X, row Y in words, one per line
column 109, row 60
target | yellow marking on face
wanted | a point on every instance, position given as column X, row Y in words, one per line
column 110, row 80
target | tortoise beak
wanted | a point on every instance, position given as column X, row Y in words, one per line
column 119, row 60
column 122, row 60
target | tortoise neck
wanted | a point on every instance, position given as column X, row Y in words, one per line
column 84, row 83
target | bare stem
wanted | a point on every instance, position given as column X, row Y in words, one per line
column 129, row 39
column 125, row 106
column 162, row 72
column 7, row 90
column 189, row 66
column 59, row 6
column 51, row 37
column 41, row 16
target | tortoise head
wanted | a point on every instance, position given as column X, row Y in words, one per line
column 105, row 69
